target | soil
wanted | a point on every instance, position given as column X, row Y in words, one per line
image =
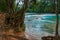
column 11, row 37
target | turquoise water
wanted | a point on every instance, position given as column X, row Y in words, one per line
column 51, row 18
column 41, row 25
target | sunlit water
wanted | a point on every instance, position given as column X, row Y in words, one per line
column 38, row 26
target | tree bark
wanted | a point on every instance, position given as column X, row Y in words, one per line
column 16, row 19
column 57, row 20
column 20, row 18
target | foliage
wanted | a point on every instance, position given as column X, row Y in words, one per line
column 59, row 5
column 47, row 6
column 3, row 6
column 42, row 7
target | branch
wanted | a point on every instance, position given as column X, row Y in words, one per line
column 25, row 6
column 10, row 4
column 17, row 5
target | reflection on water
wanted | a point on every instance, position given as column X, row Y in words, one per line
column 40, row 25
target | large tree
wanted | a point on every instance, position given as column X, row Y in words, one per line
column 14, row 19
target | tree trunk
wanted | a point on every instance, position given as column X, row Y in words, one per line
column 57, row 21
column 19, row 20
column 57, row 18
column 16, row 19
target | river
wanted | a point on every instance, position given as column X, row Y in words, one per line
column 41, row 25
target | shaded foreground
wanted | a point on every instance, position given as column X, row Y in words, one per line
column 11, row 37
column 9, row 34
